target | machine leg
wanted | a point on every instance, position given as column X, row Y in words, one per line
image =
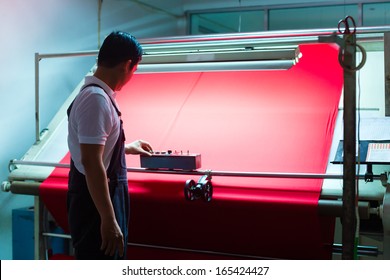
column 386, row 224
column 39, row 249
column 349, row 167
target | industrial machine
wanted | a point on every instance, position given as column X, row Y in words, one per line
column 264, row 179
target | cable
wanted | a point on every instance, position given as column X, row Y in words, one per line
column 357, row 230
column 361, row 64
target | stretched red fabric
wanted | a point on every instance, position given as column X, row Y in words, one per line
column 265, row 121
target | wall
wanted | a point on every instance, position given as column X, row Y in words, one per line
column 53, row 26
column 27, row 27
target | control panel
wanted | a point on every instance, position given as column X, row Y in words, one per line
column 171, row 160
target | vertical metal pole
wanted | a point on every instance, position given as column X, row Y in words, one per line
column 266, row 19
column 37, row 136
column 387, row 72
column 386, row 224
column 349, row 168
column 39, row 249
column 360, row 14
column 386, row 199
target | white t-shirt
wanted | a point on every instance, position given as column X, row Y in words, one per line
column 93, row 120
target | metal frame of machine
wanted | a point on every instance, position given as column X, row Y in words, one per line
column 264, row 50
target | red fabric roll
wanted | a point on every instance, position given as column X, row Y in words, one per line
column 265, row 121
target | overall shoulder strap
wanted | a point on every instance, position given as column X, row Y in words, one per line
column 95, row 85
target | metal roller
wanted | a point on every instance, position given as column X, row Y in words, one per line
column 21, row 187
column 327, row 207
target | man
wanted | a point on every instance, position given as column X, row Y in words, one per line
column 98, row 199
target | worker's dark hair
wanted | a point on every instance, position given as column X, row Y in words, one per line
column 118, row 47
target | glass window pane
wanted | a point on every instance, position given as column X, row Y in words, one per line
column 310, row 17
column 376, row 14
column 227, row 22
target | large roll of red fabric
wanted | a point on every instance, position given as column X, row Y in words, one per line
column 264, row 121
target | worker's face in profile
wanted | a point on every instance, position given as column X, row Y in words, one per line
column 133, row 69
column 127, row 73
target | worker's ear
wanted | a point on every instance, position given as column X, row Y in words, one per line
column 125, row 65
column 128, row 65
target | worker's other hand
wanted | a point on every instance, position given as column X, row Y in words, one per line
column 112, row 237
column 139, row 147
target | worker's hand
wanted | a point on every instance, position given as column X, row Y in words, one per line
column 112, row 237
column 139, row 147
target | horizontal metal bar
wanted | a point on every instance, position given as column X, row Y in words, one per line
column 361, row 250
column 243, row 54
column 187, row 41
column 211, row 172
column 195, row 251
column 67, row 236
column 260, row 35
column 14, row 162
column 69, row 54
column 240, row 173
column 216, row 66
column 59, row 235
column 370, row 251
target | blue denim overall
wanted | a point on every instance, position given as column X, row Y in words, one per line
column 83, row 217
